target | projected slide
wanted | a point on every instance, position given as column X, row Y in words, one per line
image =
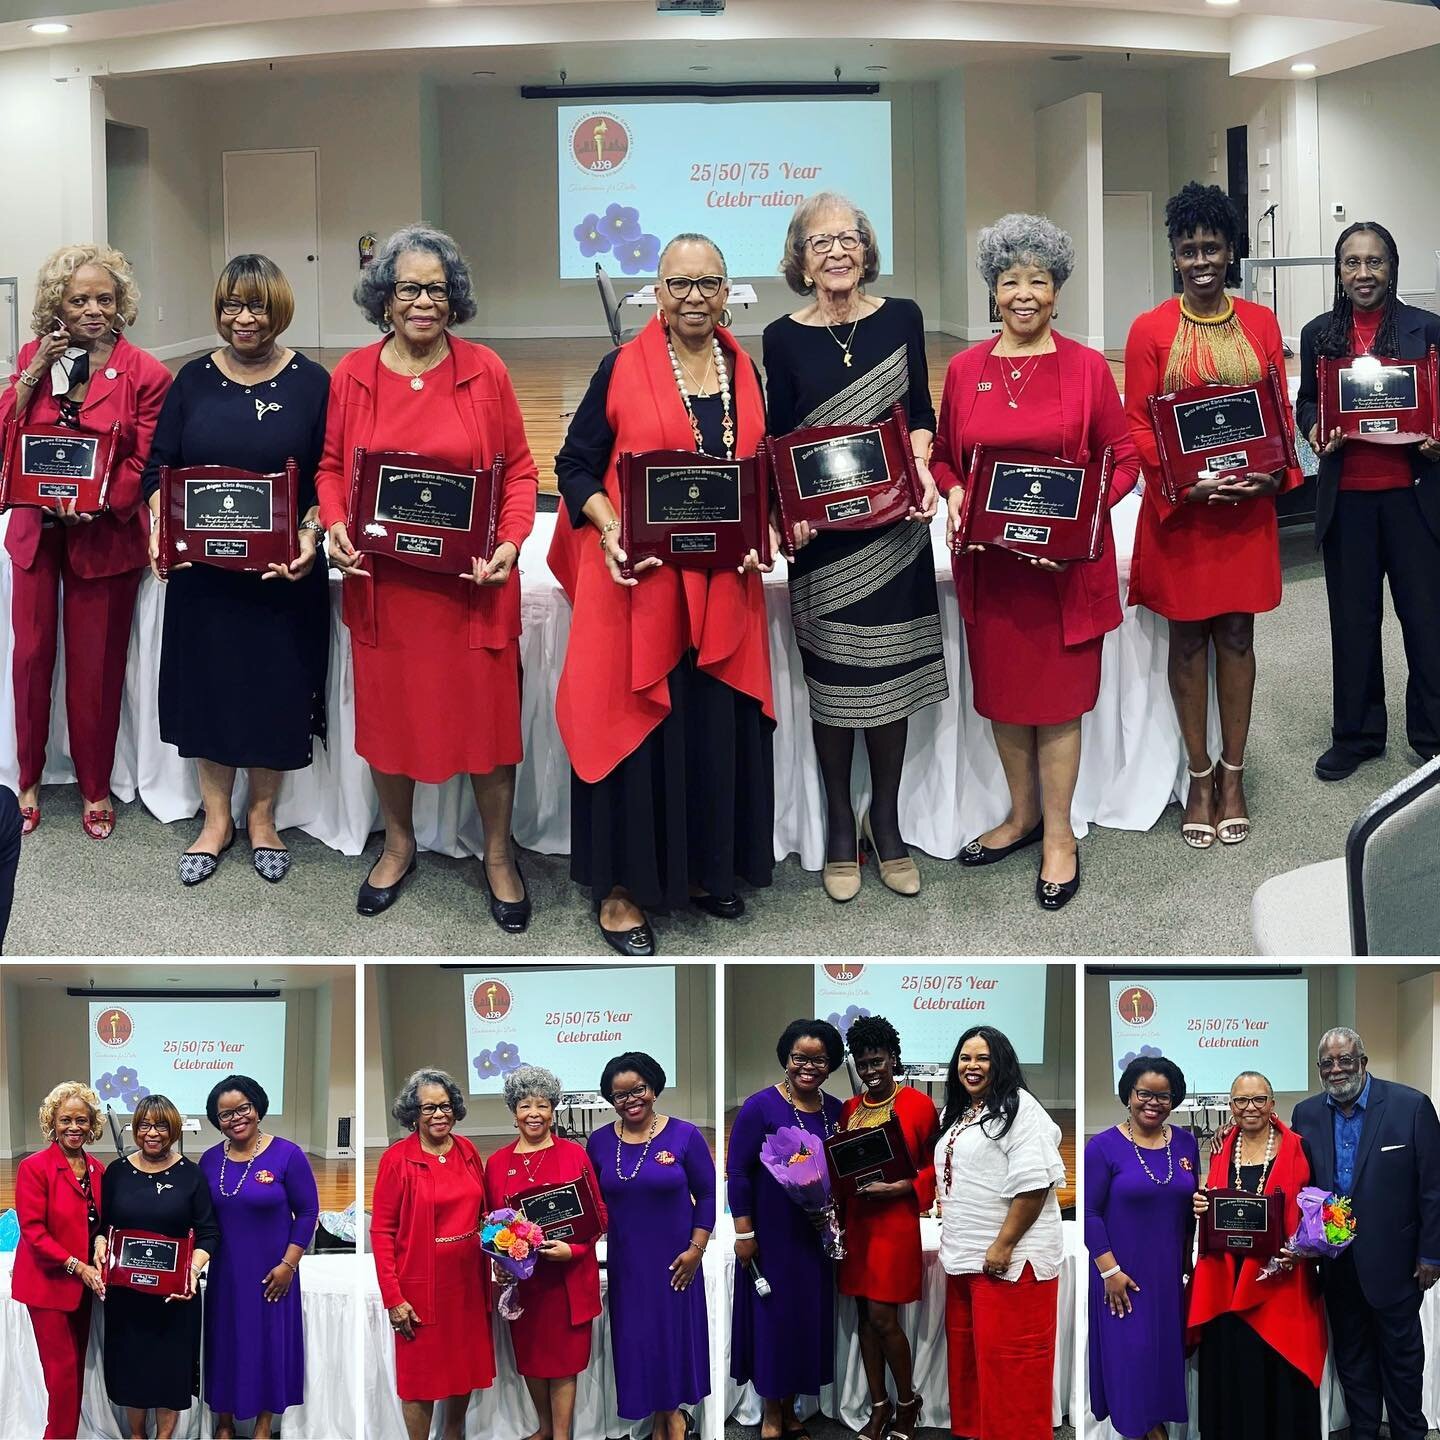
column 569, row 1021
column 180, row 1048
column 933, row 1005
column 1215, row 1028
column 632, row 176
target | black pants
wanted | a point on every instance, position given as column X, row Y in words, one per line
column 1379, row 533
column 1378, row 1354
column 9, row 854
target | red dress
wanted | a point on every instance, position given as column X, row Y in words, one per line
column 1195, row 561
column 552, row 1338
column 882, row 1237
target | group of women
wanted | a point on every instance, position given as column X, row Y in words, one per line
column 250, row 1228
column 651, row 1179
column 989, row 1162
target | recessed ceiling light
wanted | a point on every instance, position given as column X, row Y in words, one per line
column 49, row 27
column 1066, row 58
column 1222, row 2
column 1302, row 67
column 877, row 67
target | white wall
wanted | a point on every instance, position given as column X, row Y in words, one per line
column 1069, row 187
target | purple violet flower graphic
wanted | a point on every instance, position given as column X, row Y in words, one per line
column 593, row 236
column 843, row 1022
column 507, row 1056
column 640, row 256
column 107, row 1088
column 1144, row 1050
column 485, row 1065
column 620, row 222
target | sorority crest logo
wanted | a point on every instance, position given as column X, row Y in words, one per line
column 1136, row 1005
column 114, row 1027
column 843, row 973
column 490, row 999
column 600, row 143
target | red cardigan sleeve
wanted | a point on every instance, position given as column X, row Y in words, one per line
column 947, row 464
column 152, row 384
column 32, row 1207
column 332, row 477
column 922, row 1128
column 384, row 1226
column 1142, row 380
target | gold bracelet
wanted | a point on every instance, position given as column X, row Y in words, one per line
column 24, row 378
column 605, row 529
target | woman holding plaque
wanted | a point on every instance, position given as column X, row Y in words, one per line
column 551, row 1338
column 1377, row 512
column 782, row 1337
column 866, row 612
column 437, row 656
column 664, row 701
column 1140, row 1181
column 1262, row 1343
column 1210, row 563
column 152, row 1346
column 881, row 1267
column 82, row 374
column 253, row 404
column 1034, row 627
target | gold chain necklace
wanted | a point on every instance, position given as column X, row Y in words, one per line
column 416, row 383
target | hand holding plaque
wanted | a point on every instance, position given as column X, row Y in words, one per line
column 149, row 1263
column 1238, row 1222
column 1384, row 401
column 54, row 467
column 564, row 1212
column 1036, row 505
column 857, row 1158
column 232, row 519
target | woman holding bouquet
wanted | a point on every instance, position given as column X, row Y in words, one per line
column 552, row 1337
column 881, row 1268
column 1262, row 1342
column 783, row 1343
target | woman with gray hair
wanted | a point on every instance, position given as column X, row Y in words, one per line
column 1033, row 627
column 551, row 1338
column 428, row 1210
column 437, row 657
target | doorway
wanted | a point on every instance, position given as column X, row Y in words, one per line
column 1129, row 261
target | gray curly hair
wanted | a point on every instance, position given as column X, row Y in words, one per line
column 375, row 287
column 531, row 1080
column 406, row 1108
column 1015, row 238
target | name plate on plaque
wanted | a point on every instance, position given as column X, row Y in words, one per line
column 1385, row 401
column 860, row 1157
column 1035, row 504
column 695, row 511
column 1243, row 1224
column 564, row 1212
column 422, row 511
column 1211, row 430
column 152, row 1264
column 233, row 519
column 50, row 466
column 845, row 477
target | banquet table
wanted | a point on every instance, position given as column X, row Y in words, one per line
column 327, row 1293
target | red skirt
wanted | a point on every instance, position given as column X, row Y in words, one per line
column 452, row 1352
column 547, row 1346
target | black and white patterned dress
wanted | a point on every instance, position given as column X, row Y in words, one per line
column 863, row 602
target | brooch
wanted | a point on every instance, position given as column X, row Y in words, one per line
column 664, row 1157
column 1185, row 1163
column 264, row 1177
column 983, row 386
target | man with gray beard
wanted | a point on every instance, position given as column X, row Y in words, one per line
column 1379, row 1143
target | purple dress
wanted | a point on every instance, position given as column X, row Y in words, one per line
column 1137, row 1363
column 255, row 1350
column 785, row 1343
column 659, row 1337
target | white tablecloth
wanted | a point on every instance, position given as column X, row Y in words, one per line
column 924, row 1325
column 1132, row 760
column 504, row 1411
column 328, row 1296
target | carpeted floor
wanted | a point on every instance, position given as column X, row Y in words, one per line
column 820, row 1428
column 1141, row 894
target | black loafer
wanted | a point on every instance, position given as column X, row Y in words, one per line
column 1338, row 763
column 1050, row 895
column 512, row 916
column 376, row 899
column 197, row 866
column 632, row 944
column 977, row 854
column 722, row 907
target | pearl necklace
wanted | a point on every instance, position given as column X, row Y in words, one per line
column 224, row 1154
column 1264, row 1164
column 825, row 1124
column 1169, row 1155
column 722, row 376
column 619, row 1138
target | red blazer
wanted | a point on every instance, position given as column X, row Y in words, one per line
column 116, row 542
column 1092, row 418
column 491, row 416
column 53, row 1227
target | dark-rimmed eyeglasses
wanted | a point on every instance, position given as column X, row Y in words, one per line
column 808, row 1062
column 444, row 1109
column 240, row 1112
column 409, row 290
column 1160, row 1097
column 680, row 286
column 1250, row 1102
column 621, row 1097
column 153, row 1127
column 1338, row 1062
column 231, row 308
column 824, row 244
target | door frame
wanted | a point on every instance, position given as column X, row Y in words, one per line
column 1149, row 198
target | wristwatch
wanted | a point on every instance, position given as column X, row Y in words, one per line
column 314, row 525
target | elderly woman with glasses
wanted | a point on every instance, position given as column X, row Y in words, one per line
column 437, row 656
column 426, row 1216
column 551, row 1338
column 783, row 1343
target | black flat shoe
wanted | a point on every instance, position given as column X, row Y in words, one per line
column 1338, row 763
column 376, row 899
column 1051, row 895
column 512, row 916
column 722, row 907
column 270, row 864
column 977, row 854
column 633, row 943
column 197, row 866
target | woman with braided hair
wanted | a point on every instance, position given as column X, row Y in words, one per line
column 1210, row 562
column 1377, row 512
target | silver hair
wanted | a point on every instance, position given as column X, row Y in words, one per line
column 375, row 287
column 696, row 238
column 406, row 1108
column 1015, row 238
column 530, row 1080
column 1342, row 1033
column 1254, row 1075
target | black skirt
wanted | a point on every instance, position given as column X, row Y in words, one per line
column 694, row 805
column 1249, row 1391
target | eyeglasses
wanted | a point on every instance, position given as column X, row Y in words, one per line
column 446, row 1109
column 151, row 1127
column 240, row 1112
column 621, row 1096
column 1338, row 1062
column 1160, row 1097
column 680, row 286
column 1250, row 1102
column 1353, row 264
column 409, row 290
column 231, row 308
column 808, row 1062
column 824, row 244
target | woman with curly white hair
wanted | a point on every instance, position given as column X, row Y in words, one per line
column 81, row 373
column 1033, row 628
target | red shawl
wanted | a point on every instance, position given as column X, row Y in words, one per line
column 624, row 641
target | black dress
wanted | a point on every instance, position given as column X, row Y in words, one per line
column 243, row 661
column 864, row 605
column 694, row 803
column 152, row 1347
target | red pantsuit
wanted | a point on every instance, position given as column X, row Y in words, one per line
column 62, row 1337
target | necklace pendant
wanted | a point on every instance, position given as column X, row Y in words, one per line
column 1014, row 374
column 417, row 383
column 441, row 1159
column 1014, row 404
column 847, row 358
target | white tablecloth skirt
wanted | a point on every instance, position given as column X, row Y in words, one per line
column 328, row 1299
column 1132, row 760
column 924, row 1325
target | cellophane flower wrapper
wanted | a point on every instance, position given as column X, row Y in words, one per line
column 796, row 1162
column 1326, row 1228
column 512, row 1242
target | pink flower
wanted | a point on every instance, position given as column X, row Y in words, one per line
column 519, row 1249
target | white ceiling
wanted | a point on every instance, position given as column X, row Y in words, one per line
column 177, row 975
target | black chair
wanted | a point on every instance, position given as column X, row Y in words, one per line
column 611, row 304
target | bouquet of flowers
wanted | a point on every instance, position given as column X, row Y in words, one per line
column 513, row 1243
column 1326, row 1227
column 797, row 1165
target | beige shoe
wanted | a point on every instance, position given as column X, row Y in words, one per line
column 902, row 876
column 841, row 879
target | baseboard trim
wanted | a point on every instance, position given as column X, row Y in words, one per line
column 183, row 347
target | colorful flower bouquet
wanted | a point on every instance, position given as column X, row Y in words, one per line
column 796, row 1162
column 1327, row 1226
column 513, row 1243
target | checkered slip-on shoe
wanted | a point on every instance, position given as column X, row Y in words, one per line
column 271, row 864
column 195, row 867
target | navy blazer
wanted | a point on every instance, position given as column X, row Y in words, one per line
column 1415, row 330
column 1396, row 1188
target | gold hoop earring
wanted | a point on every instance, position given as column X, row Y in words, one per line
column 726, row 318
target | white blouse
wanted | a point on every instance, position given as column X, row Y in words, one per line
column 985, row 1175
